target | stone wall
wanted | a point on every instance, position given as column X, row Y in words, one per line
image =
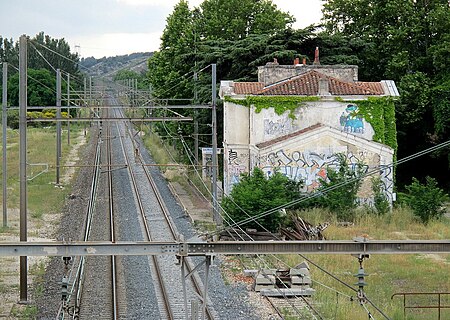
column 272, row 73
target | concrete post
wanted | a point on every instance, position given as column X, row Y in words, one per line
column 4, row 124
column 68, row 108
column 216, row 216
column 58, row 124
column 23, row 161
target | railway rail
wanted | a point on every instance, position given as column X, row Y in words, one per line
column 159, row 227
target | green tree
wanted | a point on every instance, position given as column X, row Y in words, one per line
column 236, row 19
column 407, row 41
column 41, row 88
column 340, row 188
column 254, row 194
column 381, row 202
column 426, row 200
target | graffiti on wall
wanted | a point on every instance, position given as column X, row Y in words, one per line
column 308, row 166
column 236, row 165
column 278, row 127
column 350, row 121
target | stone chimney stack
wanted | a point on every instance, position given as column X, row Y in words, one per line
column 316, row 57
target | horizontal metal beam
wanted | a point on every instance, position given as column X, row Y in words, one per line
column 222, row 247
column 156, row 119
column 319, row 247
column 91, row 248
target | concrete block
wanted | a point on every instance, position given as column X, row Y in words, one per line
column 296, row 280
column 299, row 272
column 250, row 273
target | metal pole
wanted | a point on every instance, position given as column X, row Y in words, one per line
column 23, row 161
column 183, row 282
column 205, row 292
column 216, row 216
column 68, row 108
column 85, row 101
column 58, row 124
column 195, row 120
column 4, row 124
column 90, row 99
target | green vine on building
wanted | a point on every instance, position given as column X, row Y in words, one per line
column 378, row 111
column 280, row 104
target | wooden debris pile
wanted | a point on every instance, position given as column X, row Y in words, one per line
column 300, row 230
column 303, row 230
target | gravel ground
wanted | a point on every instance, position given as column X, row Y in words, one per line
column 70, row 229
column 230, row 301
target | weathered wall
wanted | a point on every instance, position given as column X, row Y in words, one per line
column 267, row 125
column 305, row 156
column 271, row 73
column 236, row 118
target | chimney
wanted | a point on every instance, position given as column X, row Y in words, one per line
column 316, row 57
column 275, row 61
column 324, row 89
column 296, row 61
column 304, row 61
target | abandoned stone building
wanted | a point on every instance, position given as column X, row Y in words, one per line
column 298, row 117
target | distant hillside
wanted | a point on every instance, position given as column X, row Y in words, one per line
column 107, row 66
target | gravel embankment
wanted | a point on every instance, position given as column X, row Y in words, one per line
column 229, row 301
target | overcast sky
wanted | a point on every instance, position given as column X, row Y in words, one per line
column 112, row 27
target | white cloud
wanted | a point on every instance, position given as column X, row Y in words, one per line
column 305, row 11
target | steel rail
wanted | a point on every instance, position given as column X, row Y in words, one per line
column 114, row 298
column 77, row 283
column 147, row 229
column 174, row 233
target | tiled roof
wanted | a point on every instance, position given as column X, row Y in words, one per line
column 307, row 84
column 248, row 87
column 288, row 136
column 373, row 86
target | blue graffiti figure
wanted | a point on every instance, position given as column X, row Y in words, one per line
column 352, row 122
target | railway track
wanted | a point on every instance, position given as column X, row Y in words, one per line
column 290, row 308
column 158, row 226
column 99, row 286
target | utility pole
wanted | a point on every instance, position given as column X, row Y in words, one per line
column 216, row 216
column 58, row 124
column 195, row 120
column 85, row 103
column 68, row 108
column 23, row 161
column 4, row 124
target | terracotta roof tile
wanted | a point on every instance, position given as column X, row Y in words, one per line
column 372, row 86
column 288, row 136
column 248, row 87
column 307, row 84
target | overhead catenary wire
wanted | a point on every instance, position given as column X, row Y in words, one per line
column 341, row 184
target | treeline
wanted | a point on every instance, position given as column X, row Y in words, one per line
column 404, row 41
column 45, row 54
column 110, row 64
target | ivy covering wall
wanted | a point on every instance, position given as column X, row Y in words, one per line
column 378, row 111
column 280, row 104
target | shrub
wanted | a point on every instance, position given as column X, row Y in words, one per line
column 381, row 202
column 344, row 183
column 255, row 193
column 427, row 200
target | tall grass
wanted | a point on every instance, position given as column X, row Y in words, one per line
column 43, row 196
column 388, row 274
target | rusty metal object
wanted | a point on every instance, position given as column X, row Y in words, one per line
column 438, row 306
